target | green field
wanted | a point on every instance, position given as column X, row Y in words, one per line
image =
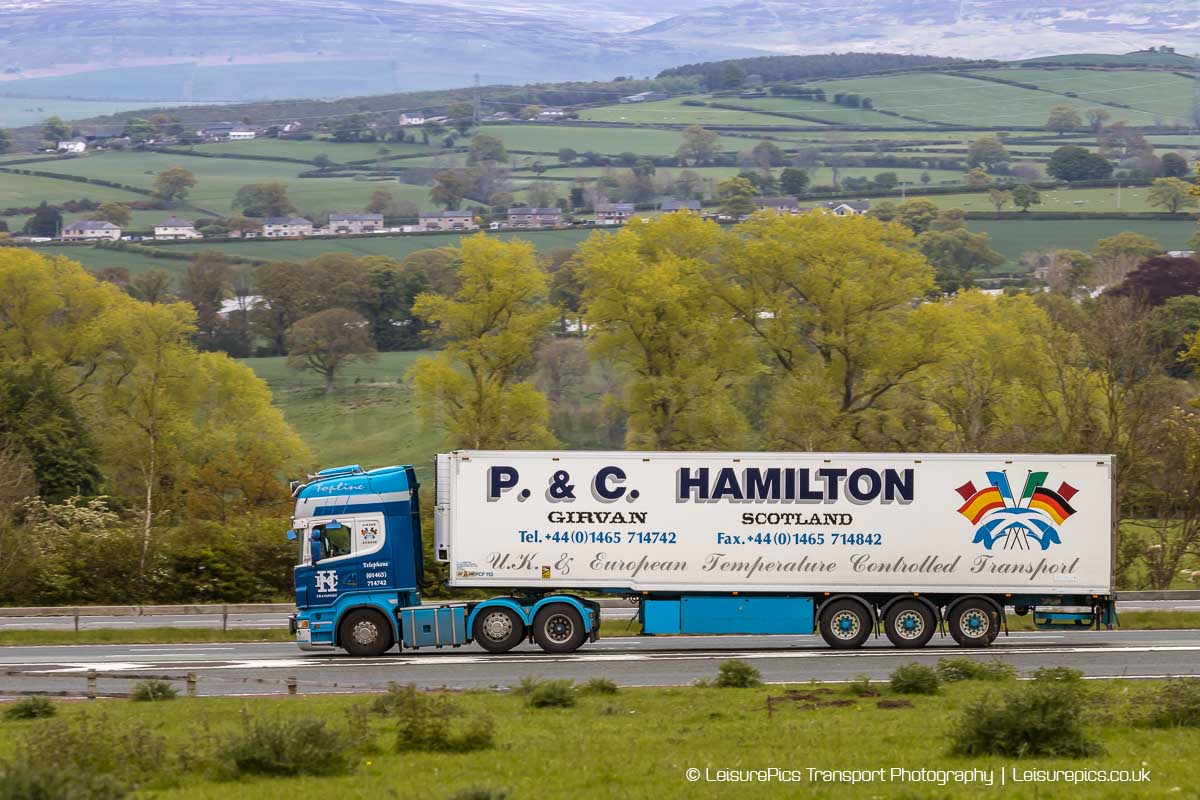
column 636, row 743
column 371, row 420
column 339, row 152
column 824, row 111
column 549, row 138
column 1163, row 93
column 1094, row 200
column 964, row 101
column 673, row 112
column 218, row 179
column 1014, row 237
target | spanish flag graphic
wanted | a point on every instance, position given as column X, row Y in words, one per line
column 979, row 502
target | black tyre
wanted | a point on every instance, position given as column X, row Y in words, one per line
column 364, row 632
column 909, row 624
column 974, row 623
column 498, row 629
column 558, row 628
column 846, row 624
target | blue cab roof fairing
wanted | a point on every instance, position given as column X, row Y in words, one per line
column 349, row 489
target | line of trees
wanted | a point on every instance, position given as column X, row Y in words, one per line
column 133, row 466
column 821, row 333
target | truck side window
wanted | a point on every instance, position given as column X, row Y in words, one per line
column 335, row 541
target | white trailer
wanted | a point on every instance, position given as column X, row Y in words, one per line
column 780, row 542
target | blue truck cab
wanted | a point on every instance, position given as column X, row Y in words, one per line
column 360, row 568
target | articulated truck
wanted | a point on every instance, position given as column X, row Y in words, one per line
column 844, row 544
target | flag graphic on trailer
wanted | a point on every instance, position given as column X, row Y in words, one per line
column 998, row 516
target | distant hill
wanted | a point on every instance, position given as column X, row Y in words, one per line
column 807, row 68
column 221, row 51
column 1141, row 58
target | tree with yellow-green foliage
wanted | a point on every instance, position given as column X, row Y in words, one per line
column 684, row 358
column 984, row 384
column 478, row 386
column 176, row 429
column 1172, row 194
column 833, row 302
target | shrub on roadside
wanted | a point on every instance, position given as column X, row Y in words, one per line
column 1044, row 717
column 20, row 780
column 737, row 674
column 526, row 685
column 35, row 707
column 1174, row 704
column 286, row 746
column 861, row 687
column 599, row 686
column 914, row 679
column 152, row 690
column 433, row 723
column 552, row 694
column 93, row 744
column 952, row 670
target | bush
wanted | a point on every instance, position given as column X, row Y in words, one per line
column 737, row 674
column 552, row 694
column 431, row 723
column 93, row 745
column 599, row 686
column 31, row 708
column 20, row 780
column 861, row 687
column 952, row 670
column 1175, row 704
column 289, row 746
column 153, row 690
column 1043, row 717
column 914, row 679
column 526, row 685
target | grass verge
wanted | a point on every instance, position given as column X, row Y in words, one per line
column 550, row 752
column 12, row 638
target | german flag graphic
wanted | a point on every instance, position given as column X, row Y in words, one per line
column 979, row 502
column 1055, row 504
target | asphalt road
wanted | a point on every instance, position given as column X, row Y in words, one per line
column 268, row 620
column 263, row 668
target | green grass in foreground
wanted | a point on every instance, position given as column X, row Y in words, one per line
column 163, row 635
column 638, row 743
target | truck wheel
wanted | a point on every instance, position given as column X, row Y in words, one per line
column 498, row 629
column 558, row 628
column 909, row 624
column 365, row 633
column 846, row 624
column 974, row 623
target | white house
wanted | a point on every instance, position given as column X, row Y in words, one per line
column 412, row 118
column 286, row 226
column 176, row 228
column 73, row 146
column 354, row 223
column 82, row 230
column 613, row 213
column 241, row 134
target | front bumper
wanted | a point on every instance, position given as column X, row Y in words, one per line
column 303, row 634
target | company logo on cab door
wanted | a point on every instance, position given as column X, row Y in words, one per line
column 1035, row 517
